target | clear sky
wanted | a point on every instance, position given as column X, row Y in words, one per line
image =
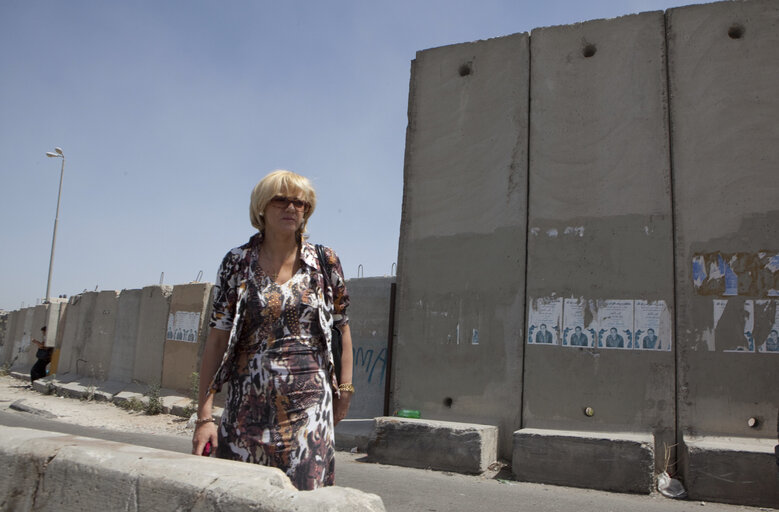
column 169, row 112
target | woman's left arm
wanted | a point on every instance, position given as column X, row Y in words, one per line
column 341, row 405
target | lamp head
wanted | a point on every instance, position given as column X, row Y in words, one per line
column 51, row 155
column 59, row 151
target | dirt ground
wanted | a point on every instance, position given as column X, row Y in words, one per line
column 92, row 414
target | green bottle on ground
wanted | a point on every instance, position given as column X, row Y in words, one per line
column 407, row 413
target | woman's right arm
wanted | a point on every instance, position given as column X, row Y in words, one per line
column 216, row 344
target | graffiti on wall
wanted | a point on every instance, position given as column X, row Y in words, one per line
column 368, row 362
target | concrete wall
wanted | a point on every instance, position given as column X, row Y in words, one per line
column 724, row 111
column 22, row 337
column 79, row 319
column 185, row 332
column 369, row 324
column 600, row 244
column 10, row 336
column 152, row 324
column 461, row 259
column 125, row 336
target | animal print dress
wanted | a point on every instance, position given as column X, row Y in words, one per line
column 278, row 364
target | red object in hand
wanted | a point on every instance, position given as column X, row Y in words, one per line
column 207, row 450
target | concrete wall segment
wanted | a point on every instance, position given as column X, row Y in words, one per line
column 153, row 321
column 188, row 305
column 125, row 336
column 461, row 252
column 600, row 221
column 724, row 105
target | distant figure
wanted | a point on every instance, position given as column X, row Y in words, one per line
column 614, row 339
column 578, row 338
column 43, row 355
column 772, row 342
column 650, row 340
column 543, row 336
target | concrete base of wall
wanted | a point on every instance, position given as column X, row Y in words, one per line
column 350, row 434
column 47, row 471
column 441, row 445
column 620, row 462
column 731, row 470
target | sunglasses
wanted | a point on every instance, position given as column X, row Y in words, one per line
column 283, row 202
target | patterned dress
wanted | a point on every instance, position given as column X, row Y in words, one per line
column 278, row 364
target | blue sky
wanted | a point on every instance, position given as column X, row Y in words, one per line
column 169, row 112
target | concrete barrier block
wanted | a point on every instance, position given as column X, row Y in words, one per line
column 125, row 336
column 735, row 470
column 44, row 385
column 620, row 462
column 152, row 323
column 440, row 445
column 105, row 391
column 353, row 433
column 45, row 471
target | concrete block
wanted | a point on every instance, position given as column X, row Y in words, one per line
column 152, row 324
column 131, row 391
column 354, row 433
column 82, row 388
column 724, row 106
column 7, row 350
column 106, row 390
column 742, row 471
column 44, row 385
column 23, row 355
column 439, row 445
column 369, row 324
column 601, row 229
column 461, row 269
column 186, row 330
column 620, row 462
column 125, row 336
column 78, row 318
column 44, row 471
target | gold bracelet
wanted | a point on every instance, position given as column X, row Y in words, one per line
column 201, row 421
column 346, row 387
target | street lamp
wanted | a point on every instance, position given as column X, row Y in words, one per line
column 57, row 154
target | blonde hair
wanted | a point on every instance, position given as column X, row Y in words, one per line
column 280, row 182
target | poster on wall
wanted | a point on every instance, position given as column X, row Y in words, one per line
column 615, row 324
column 183, row 326
column 770, row 343
column 653, row 325
column 579, row 327
column 544, row 319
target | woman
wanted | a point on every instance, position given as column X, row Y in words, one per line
column 270, row 342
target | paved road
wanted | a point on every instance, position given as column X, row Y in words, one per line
column 405, row 489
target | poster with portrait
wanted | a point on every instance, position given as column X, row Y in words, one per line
column 544, row 320
column 615, row 324
column 770, row 342
column 652, row 325
column 579, row 325
column 183, row 326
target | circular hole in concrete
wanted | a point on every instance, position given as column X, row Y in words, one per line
column 736, row 31
column 589, row 412
column 465, row 69
column 448, row 401
column 589, row 50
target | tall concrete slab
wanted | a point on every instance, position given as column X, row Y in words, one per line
column 98, row 344
column 125, row 336
column 23, row 353
column 369, row 315
column 10, row 335
column 79, row 321
column 152, row 323
column 186, row 330
column 600, row 253
column 461, row 258
column 724, row 99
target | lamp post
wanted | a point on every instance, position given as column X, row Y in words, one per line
column 56, row 154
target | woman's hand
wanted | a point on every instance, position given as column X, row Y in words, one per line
column 341, row 406
column 204, row 433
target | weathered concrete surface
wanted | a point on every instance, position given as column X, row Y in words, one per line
column 152, row 320
column 731, row 470
column 22, row 337
column 10, row 336
column 78, row 319
column 610, row 461
column 600, row 221
column 45, row 471
column 724, row 106
column 354, row 433
column 369, row 324
column 441, row 445
column 125, row 336
column 187, row 328
column 461, row 258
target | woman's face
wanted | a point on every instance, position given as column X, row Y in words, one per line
column 285, row 212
